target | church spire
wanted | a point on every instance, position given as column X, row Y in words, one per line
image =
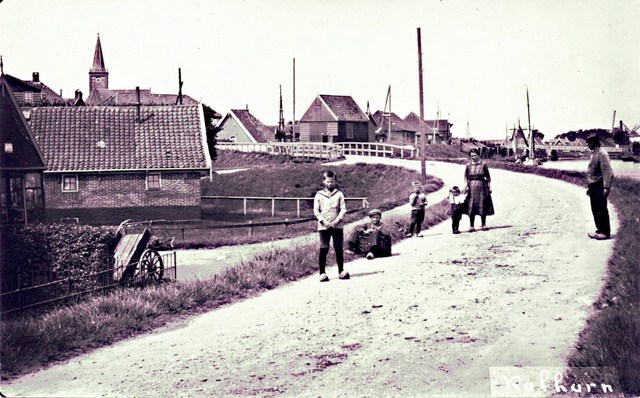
column 98, row 58
column 98, row 74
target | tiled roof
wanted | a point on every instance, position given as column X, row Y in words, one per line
column 344, row 107
column 255, row 127
column 49, row 97
column 111, row 138
column 126, row 97
column 397, row 123
column 15, row 131
column 414, row 120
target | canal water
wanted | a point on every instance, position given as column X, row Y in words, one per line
column 620, row 168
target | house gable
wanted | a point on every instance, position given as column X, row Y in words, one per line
column 19, row 148
column 318, row 111
column 233, row 131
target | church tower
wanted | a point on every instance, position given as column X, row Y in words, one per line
column 98, row 74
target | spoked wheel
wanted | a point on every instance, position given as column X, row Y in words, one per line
column 150, row 266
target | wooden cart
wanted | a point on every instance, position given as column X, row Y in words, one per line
column 137, row 259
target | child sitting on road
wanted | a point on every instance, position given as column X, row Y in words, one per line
column 418, row 202
column 372, row 239
column 457, row 201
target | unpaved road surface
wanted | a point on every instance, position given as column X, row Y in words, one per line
column 431, row 320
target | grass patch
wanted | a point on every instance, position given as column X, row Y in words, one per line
column 231, row 159
column 29, row 343
column 610, row 340
column 385, row 187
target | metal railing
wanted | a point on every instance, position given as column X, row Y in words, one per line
column 73, row 288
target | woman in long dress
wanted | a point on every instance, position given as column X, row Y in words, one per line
column 478, row 185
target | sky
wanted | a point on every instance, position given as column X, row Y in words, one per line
column 578, row 59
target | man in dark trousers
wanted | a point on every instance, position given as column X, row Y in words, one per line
column 599, row 178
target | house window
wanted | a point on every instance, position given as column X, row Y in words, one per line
column 28, row 97
column 70, row 183
column 153, row 181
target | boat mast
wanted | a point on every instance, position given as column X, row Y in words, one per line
column 532, row 146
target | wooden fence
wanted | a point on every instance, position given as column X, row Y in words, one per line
column 304, row 150
column 378, row 149
column 246, row 199
column 73, row 288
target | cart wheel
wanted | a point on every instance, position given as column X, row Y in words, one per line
column 150, row 266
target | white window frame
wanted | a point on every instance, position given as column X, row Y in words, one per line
column 62, row 183
column 159, row 181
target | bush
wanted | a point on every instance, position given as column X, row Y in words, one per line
column 40, row 253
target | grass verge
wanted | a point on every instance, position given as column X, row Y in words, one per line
column 30, row 343
column 610, row 342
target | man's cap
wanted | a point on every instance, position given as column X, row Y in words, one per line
column 455, row 188
column 415, row 184
column 593, row 139
column 373, row 212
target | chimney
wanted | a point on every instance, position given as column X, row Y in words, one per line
column 78, row 101
column 35, row 77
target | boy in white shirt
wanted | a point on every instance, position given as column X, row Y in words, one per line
column 329, row 208
column 418, row 202
column 457, row 201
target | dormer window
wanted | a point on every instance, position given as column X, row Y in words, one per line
column 8, row 147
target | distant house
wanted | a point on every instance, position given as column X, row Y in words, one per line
column 108, row 164
column 30, row 93
column 335, row 118
column 401, row 133
column 21, row 163
column 441, row 128
column 240, row 126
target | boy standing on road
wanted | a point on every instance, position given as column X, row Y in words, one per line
column 329, row 208
column 418, row 202
column 457, row 200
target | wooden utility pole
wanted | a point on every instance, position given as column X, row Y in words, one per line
column 423, row 147
column 532, row 146
column 293, row 139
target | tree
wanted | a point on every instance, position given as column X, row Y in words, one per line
column 210, row 117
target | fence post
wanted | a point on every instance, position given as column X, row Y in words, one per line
column 298, row 206
column 175, row 265
column 273, row 207
column 250, row 228
column 244, row 206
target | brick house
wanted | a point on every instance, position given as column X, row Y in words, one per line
column 108, row 163
column 21, row 163
column 335, row 118
column 240, row 126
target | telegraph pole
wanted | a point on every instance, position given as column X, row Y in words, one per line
column 423, row 147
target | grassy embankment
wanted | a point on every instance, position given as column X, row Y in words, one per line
column 29, row 343
column 610, row 340
column 384, row 187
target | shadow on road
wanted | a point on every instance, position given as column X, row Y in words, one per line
column 360, row 274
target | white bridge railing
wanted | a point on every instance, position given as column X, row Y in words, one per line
column 315, row 150
column 378, row 149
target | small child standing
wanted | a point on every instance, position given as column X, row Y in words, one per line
column 418, row 202
column 457, row 201
column 329, row 208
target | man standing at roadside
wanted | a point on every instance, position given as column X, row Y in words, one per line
column 599, row 178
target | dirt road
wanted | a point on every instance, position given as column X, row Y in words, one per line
column 432, row 320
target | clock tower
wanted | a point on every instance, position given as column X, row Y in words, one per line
column 98, row 74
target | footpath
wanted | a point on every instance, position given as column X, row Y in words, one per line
column 444, row 316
